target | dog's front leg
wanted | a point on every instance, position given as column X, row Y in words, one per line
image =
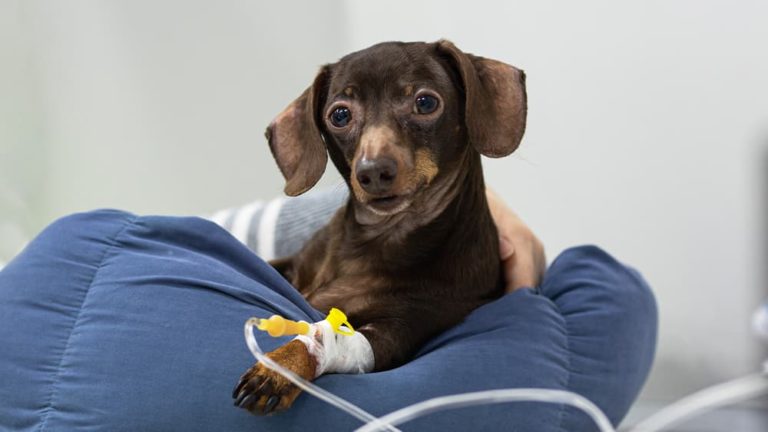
column 395, row 340
column 263, row 391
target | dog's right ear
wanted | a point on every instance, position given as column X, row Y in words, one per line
column 495, row 99
column 296, row 141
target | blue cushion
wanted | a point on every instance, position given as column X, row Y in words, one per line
column 112, row 321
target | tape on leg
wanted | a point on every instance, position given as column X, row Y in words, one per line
column 337, row 353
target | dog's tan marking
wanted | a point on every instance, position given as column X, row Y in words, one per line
column 349, row 91
column 425, row 165
column 293, row 356
column 408, row 90
column 356, row 188
column 375, row 140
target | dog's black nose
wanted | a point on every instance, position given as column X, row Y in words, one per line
column 376, row 176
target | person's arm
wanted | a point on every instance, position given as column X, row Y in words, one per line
column 280, row 227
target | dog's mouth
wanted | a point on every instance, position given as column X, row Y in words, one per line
column 390, row 204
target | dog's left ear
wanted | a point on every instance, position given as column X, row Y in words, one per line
column 496, row 105
column 296, row 141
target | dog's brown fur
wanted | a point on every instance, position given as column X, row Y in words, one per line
column 402, row 275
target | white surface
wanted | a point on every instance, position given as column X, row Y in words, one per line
column 151, row 106
column 746, row 417
column 647, row 132
column 739, row 390
column 760, row 321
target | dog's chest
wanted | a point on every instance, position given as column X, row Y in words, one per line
column 354, row 288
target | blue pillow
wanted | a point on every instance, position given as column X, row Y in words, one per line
column 111, row 321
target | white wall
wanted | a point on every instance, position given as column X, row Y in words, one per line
column 156, row 107
column 648, row 125
column 20, row 137
column 647, row 135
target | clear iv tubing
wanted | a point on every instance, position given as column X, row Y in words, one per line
column 492, row 396
column 712, row 397
column 389, row 421
column 727, row 393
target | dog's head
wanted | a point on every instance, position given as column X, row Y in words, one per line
column 396, row 118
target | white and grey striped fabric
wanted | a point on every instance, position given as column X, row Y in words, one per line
column 280, row 227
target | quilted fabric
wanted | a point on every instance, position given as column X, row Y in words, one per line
column 111, row 321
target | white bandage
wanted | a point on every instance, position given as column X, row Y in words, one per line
column 336, row 353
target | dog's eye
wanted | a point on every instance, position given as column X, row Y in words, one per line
column 341, row 116
column 425, row 104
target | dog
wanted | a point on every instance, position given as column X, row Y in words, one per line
column 415, row 249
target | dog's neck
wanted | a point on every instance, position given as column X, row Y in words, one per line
column 459, row 193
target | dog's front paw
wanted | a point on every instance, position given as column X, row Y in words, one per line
column 263, row 391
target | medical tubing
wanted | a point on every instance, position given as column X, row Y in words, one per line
column 713, row 397
column 389, row 421
column 727, row 393
column 305, row 385
column 492, row 396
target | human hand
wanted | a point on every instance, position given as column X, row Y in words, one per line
column 522, row 253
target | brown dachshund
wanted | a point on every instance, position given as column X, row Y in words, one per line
column 415, row 249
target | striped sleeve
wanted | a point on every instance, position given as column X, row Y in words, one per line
column 280, row 227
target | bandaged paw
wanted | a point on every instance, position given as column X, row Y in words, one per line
column 337, row 353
